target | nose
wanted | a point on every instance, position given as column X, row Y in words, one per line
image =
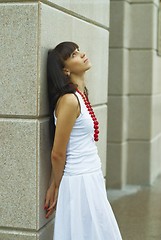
column 83, row 54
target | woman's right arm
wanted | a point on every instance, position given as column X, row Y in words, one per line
column 67, row 111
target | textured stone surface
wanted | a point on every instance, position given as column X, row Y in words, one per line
column 156, row 85
column 159, row 31
column 133, row 57
column 139, row 159
column 45, row 233
column 101, row 113
column 116, row 165
column 92, row 9
column 118, row 71
column 140, row 1
column 120, row 24
column 144, row 26
column 44, row 168
column 139, row 125
column 18, row 37
column 145, row 1
column 141, row 71
column 13, row 235
column 156, row 158
column 118, row 118
column 144, row 117
column 18, row 172
column 144, row 72
column 156, row 116
column 63, row 27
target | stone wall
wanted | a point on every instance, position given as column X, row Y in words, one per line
column 28, row 30
column 134, row 129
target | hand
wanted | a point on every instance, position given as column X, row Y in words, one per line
column 51, row 199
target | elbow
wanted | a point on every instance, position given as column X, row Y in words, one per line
column 55, row 157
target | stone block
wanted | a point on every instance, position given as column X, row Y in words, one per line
column 141, row 71
column 117, row 118
column 45, row 233
column 138, row 165
column 144, row 72
column 59, row 26
column 18, row 36
column 94, row 10
column 118, row 79
column 156, row 116
column 155, row 166
column 116, row 165
column 139, row 124
column 101, row 113
column 144, row 26
column 44, row 169
column 156, row 84
column 120, row 21
column 18, row 173
column 145, row 1
column 17, row 235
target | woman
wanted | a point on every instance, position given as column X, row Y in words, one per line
column 77, row 188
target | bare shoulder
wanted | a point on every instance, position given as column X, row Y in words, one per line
column 67, row 103
column 69, row 99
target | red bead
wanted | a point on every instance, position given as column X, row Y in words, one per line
column 96, row 131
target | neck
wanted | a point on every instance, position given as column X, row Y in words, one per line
column 80, row 81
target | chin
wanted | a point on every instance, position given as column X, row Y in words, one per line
column 89, row 66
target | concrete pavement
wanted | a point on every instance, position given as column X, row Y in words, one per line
column 138, row 211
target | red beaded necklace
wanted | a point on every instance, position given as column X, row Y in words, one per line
column 91, row 112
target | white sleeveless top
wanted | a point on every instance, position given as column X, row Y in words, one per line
column 82, row 155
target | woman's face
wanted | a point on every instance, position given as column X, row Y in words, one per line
column 77, row 63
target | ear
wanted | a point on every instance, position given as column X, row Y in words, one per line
column 66, row 71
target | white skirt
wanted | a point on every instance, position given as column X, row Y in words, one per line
column 83, row 211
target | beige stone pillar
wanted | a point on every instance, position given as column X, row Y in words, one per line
column 118, row 94
column 28, row 30
column 144, row 128
column 134, row 130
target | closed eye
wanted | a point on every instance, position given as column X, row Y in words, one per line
column 75, row 53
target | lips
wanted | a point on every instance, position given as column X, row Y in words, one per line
column 85, row 60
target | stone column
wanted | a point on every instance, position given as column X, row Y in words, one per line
column 28, row 30
column 134, row 130
column 118, row 94
column 144, row 128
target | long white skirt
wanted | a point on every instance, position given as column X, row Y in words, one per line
column 83, row 211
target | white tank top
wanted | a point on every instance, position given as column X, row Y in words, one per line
column 82, row 155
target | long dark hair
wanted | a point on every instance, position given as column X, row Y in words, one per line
column 58, row 83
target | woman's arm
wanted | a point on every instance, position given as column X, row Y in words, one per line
column 67, row 112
